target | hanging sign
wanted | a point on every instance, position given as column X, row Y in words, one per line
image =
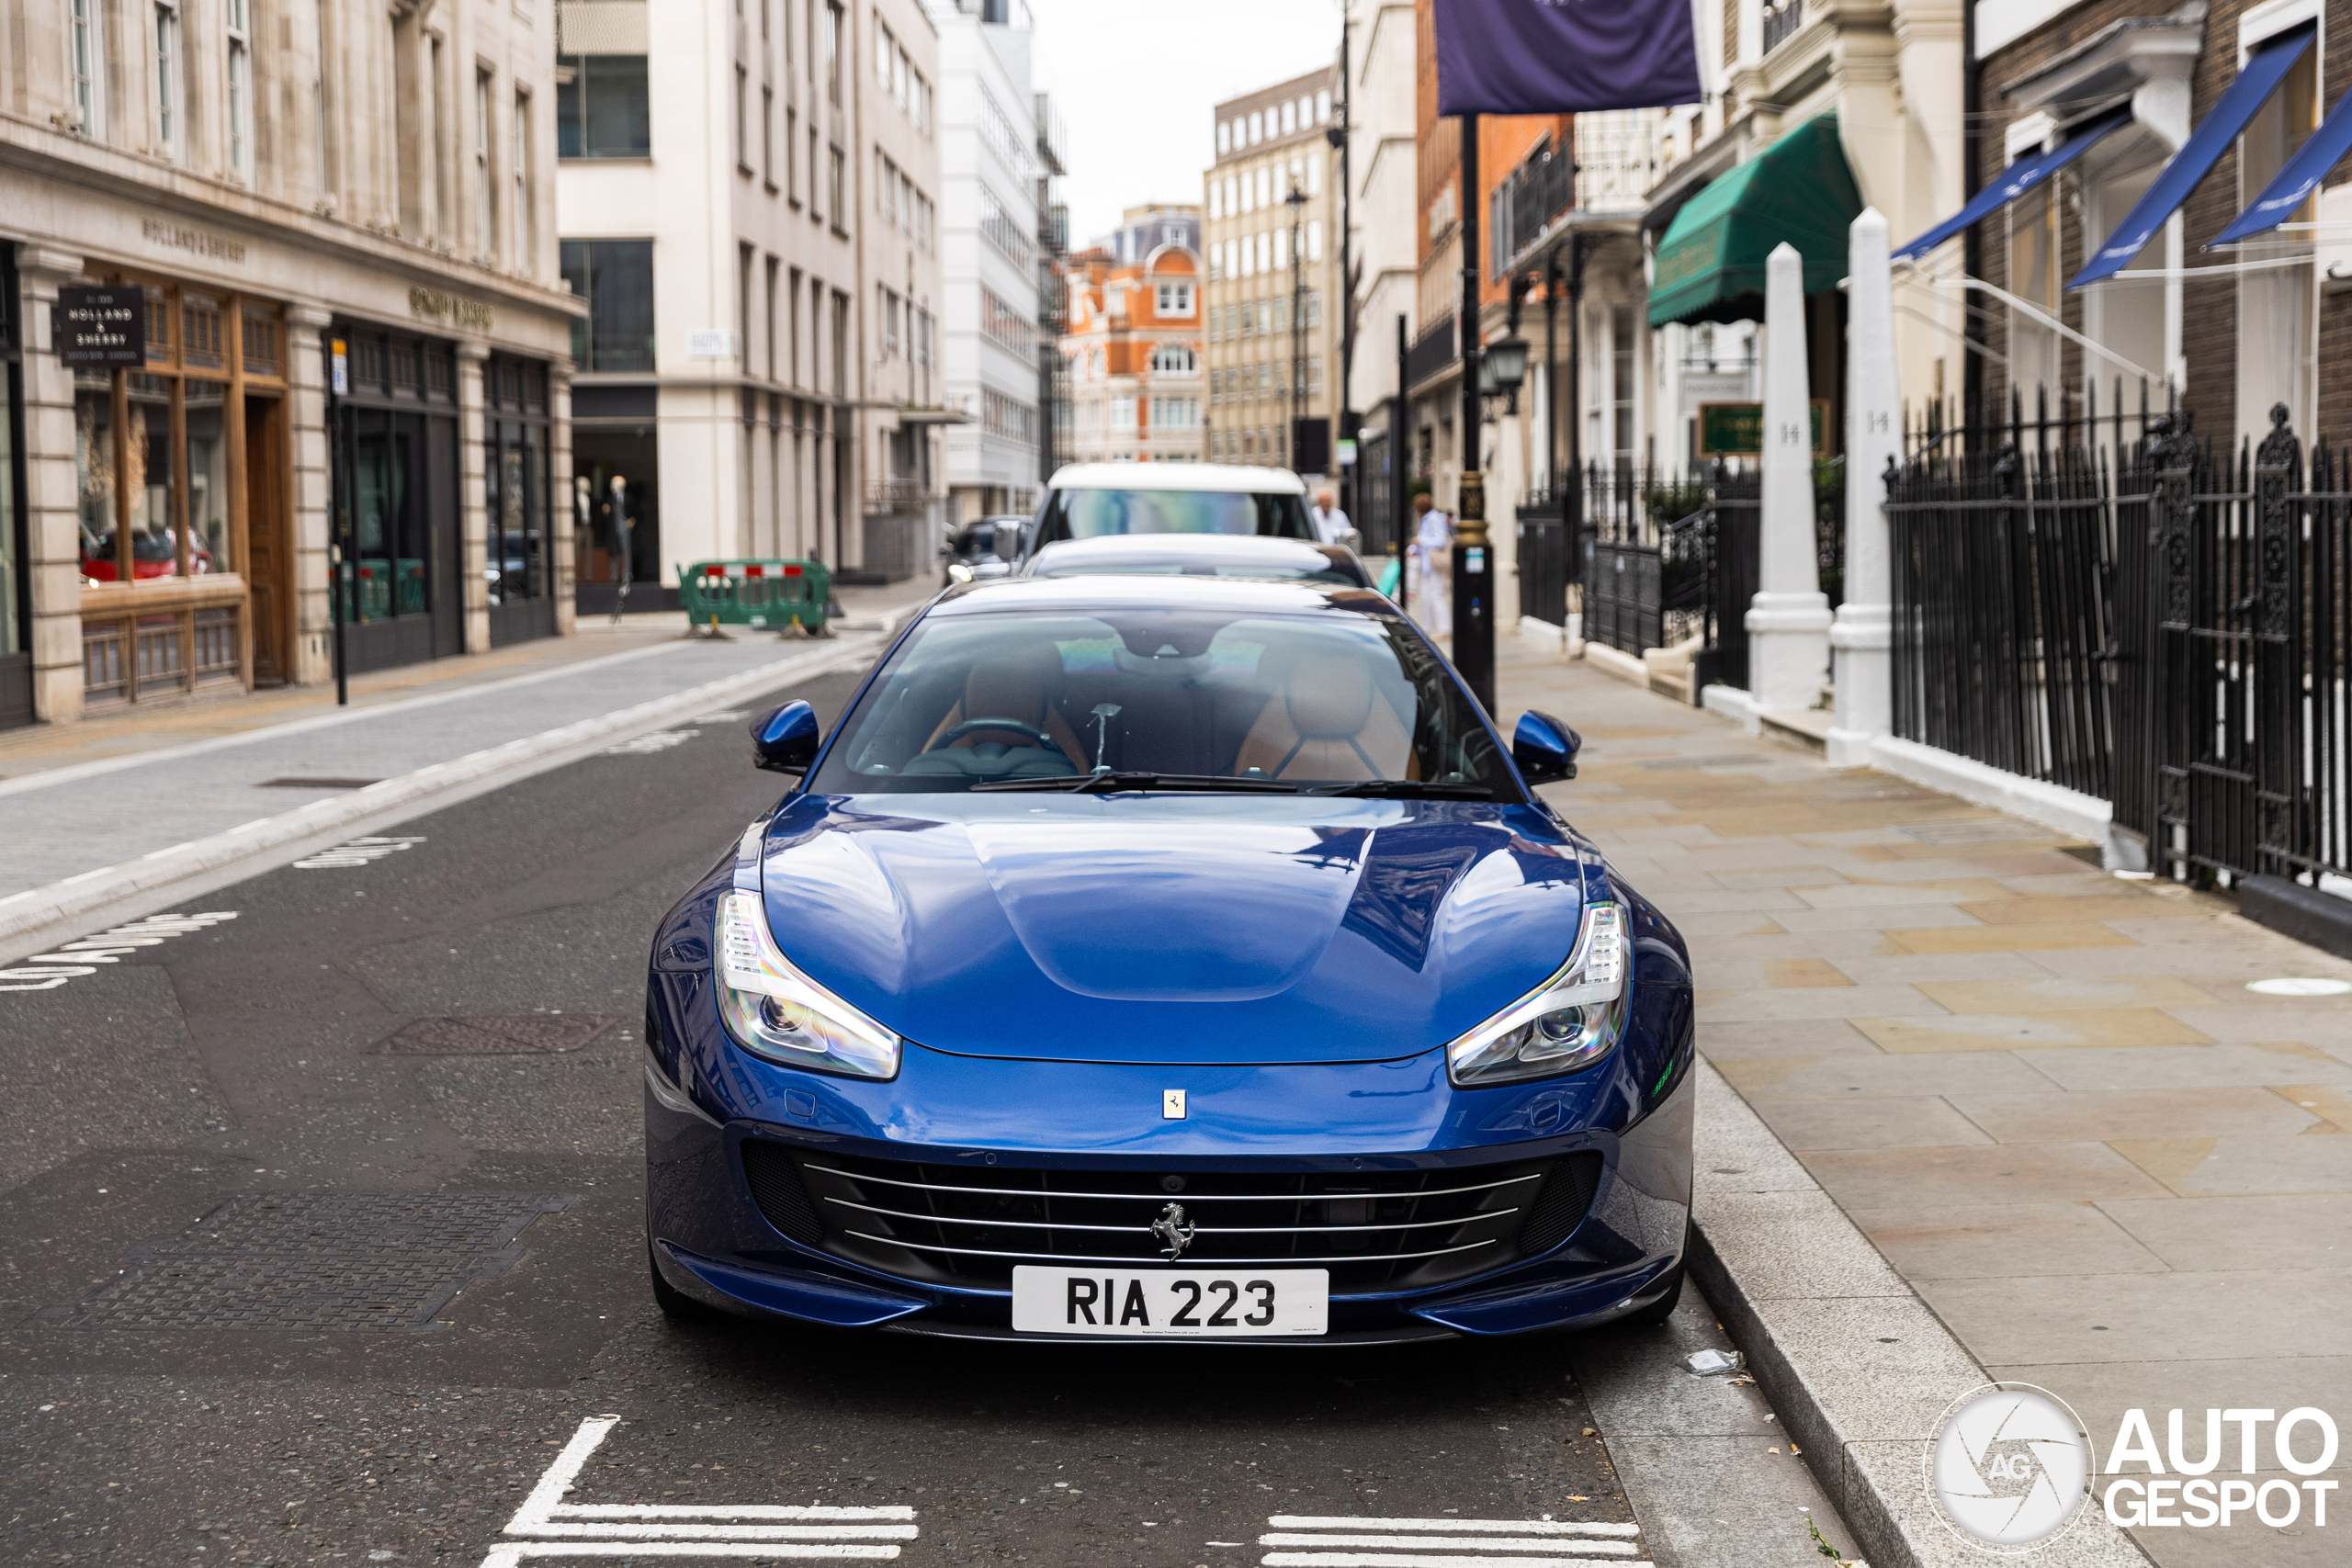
column 102, row 325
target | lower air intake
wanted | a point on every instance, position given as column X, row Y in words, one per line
column 776, row 1189
column 1560, row 1206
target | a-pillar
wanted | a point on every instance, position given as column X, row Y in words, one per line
column 1862, row 640
column 473, row 504
column 1788, row 621
column 52, row 489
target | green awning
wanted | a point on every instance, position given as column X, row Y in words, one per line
column 1800, row 189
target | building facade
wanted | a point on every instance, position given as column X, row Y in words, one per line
column 1273, row 207
column 323, row 243
column 996, row 160
column 1134, row 348
column 1381, row 214
column 749, row 207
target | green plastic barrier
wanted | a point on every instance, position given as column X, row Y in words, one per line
column 757, row 593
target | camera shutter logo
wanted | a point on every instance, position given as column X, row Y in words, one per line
column 2009, row 1467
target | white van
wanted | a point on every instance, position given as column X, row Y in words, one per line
column 1095, row 501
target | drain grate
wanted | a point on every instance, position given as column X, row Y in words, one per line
column 344, row 1260
column 544, row 1034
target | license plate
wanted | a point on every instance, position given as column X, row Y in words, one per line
column 1186, row 1303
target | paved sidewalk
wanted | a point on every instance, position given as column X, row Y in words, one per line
column 2044, row 1093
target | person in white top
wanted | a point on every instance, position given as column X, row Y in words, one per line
column 1331, row 525
column 1432, row 553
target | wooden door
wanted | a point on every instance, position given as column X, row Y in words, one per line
column 269, row 540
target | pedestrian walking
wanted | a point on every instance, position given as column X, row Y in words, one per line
column 1432, row 565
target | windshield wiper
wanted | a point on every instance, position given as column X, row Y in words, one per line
column 1086, row 784
column 1407, row 789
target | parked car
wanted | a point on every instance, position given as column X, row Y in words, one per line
column 1092, row 500
column 1150, row 957
column 982, row 550
column 1201, row 555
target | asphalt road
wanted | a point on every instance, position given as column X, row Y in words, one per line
column 291, row 1273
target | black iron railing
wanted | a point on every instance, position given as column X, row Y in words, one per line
column 1431, row 352
column 2005, row 545
column 1780, row 21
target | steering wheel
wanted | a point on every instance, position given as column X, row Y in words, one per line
column 975, row 726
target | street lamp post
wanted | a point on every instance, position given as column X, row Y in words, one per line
column 1474, row 592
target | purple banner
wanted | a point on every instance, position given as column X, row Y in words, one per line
column 1564, row 56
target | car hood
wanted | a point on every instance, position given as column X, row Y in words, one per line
column 1171, row 927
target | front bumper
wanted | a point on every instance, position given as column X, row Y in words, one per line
column 712, row 1241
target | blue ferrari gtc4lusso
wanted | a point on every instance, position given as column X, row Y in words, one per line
column 1147, row 958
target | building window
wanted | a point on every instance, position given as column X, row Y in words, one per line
column 1122, row 413
column 743, row 120
column 616, row 278
column 168, row 114
column 832, row 50
column 767, row 137
column 1175, row 300
column 883, row 42
column 836, row 179
column 890, row 315
column 83, row 53
column 997, row 223
column 1174, row 359
column 1315, row 239
column 841, row 345
column 1323, row 106
column 791, row 169
column 1006, row 327
column 522, row 178
column 1224, row 140
column 601, row 108
column 1290, row 117
column 240, row 89
column 485, row 195
column 1256, row 128
column 768, row 321
column 516, row 451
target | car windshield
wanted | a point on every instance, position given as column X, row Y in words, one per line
column 1307, row 699
column 1101, row 514
column 1317, row 570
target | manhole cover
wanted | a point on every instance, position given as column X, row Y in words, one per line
column 539, row 1034
column 349, row 1260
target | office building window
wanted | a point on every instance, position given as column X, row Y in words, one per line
column 841, row 345
column 836, row 182
column 791, row 170
column 522, row 183
column 85, row 53
column 616, row 278
column 168, row 112
column 485, row 193
column 601, row 108
column 767, row 136
column 743, row 120
column 767, row 322
column 241, row 88
column 832, row 51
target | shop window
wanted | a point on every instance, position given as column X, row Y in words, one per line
column 519, row 566
column 616, row 276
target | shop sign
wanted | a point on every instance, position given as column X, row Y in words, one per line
column 1736, row 430
column 431, row 305
column 102, row 325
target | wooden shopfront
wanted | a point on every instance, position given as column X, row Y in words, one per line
column 185, row 480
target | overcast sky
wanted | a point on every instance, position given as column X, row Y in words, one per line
column 1136, row 81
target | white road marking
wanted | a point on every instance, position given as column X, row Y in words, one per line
column 47, row 971
column 1457, row 1542
column 730, row 716
column 644, row 1530
column 1446, row 1543
column 358, row 851
column 647, row 744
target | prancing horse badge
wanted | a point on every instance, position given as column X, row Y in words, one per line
column 1172, row 1105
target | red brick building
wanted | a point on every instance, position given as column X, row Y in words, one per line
column 1135, row 353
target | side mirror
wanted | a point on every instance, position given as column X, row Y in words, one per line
column 786, row 742
column 1544, row 748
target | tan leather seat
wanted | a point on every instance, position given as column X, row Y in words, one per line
column 1327, row 724
column 1016, row 686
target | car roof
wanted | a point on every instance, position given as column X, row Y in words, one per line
column 1216, row 476
column 1079, row 595
column 1239, row 548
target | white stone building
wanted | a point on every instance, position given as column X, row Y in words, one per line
column 993, row 172
column 331, row 226
column 748, row 199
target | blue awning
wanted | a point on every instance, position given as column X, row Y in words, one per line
column 2293, row 184
column 2013, row 182
column 2252, row 88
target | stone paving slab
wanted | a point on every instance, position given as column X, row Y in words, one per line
column 2042, row 1092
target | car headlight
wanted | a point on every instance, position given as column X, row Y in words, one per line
column 775, row 1011
column 1566, row 1024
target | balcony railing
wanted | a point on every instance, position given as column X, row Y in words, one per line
column 1540, row 189
column 1431, row 352
column 1781, row 21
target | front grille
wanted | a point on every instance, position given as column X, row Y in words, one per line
column 1373, row 1230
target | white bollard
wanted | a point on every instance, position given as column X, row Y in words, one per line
column 1861, row 641
column 1788, row 621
